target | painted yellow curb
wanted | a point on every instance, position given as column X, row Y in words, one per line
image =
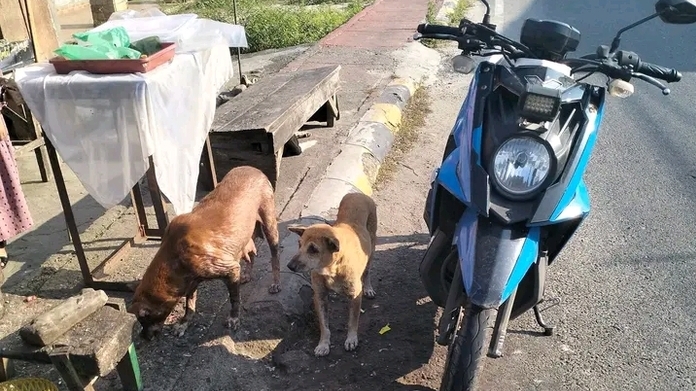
column 386, row 113
column 362, row 183
column 408, row 83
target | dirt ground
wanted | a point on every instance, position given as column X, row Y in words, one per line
column 267, row 355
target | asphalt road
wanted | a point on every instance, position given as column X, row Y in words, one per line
column 626, row 281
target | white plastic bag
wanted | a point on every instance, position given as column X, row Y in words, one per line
column 188, row 31
column 130, row 14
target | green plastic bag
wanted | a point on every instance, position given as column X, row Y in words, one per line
column 81, row 52
column 147, row 46
column 102, row 45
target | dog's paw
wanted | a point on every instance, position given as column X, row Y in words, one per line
column 274, row 288
column 351, row 343
column 232, row 323
column 322, row 350
column 369, row 293
column 180, row 328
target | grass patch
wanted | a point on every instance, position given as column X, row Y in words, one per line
column 453, row 19
column 430, row 15
column 413, row 120
column 275, row 24
column 459, row 12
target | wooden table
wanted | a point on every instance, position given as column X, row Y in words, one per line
column 94, row 278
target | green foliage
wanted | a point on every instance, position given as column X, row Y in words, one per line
column 458, row 12
column 277, row 24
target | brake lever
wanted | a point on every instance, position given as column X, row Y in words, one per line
column 653, row 81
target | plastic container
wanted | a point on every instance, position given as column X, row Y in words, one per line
column 141, row 65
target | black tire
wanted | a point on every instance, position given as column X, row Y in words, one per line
column 467, row 349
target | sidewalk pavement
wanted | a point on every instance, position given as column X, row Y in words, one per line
column 44, row 263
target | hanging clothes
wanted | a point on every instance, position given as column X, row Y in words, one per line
column 14, row 211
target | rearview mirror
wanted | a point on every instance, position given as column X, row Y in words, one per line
column 676, row 11
column 463, row 64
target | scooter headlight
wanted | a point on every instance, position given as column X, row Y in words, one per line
column 521, row 166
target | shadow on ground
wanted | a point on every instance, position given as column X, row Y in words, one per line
column 46, row 255
column 268, row 353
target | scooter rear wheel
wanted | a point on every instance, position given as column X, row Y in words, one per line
column 467, row 349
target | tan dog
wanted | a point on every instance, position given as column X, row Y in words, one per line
column 208, row 243
column 339, row 259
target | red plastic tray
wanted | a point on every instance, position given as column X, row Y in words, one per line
column 143, row 65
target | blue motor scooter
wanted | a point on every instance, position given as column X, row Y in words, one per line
column 509, row 193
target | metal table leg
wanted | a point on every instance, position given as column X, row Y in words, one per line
column 93, row 278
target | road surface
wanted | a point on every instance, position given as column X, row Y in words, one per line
column 626, row 321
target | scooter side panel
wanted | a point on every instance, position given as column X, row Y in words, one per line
column 493, row 258
column 561, row 195
column 459, row 170
column 447, row 176
column 579, row 207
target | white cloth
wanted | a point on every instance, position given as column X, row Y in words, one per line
column 105, row 126
column 188, row 31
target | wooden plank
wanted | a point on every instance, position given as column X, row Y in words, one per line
column 12, row 347
column 99, row 343
column 253, row 148
column 28, row 147
column 228, row 113
column 293, row 120
column 49, row 326
column 44, row 28
column 13, row 26
column 280, row 110
column 41, row 152
column 61, row 360
column 254, row 129
column 129, row 371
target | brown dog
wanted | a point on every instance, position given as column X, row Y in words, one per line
column 339, row 259
column 208, row 243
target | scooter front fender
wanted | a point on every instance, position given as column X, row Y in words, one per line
column 493, row 258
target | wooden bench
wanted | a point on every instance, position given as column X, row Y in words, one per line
column 257, row 126
column 90, row 349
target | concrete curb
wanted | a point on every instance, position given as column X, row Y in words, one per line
column 368, row 143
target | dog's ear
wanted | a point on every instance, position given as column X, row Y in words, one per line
column 143, row 312
column 332, row 243
column 138, row 310
column 298, row 229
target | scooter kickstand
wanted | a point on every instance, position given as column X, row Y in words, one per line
column 548, row 330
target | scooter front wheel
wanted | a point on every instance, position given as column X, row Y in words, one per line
column 467, row 349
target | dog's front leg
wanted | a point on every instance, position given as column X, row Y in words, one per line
column 353, row 320
column 368, row 290
column 191, row 297
column 321, row 308
column 233, row 284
